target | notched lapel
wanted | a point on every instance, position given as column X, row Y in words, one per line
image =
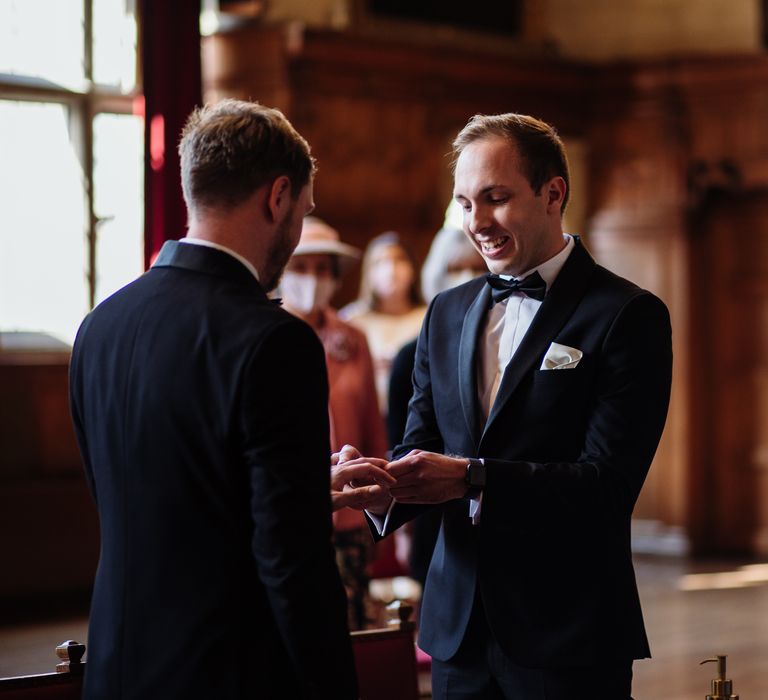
column 470, row 331
column 555, row 310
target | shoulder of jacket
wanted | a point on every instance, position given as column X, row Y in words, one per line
column 619, row 290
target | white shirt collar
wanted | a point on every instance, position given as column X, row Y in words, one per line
column 549, row 269
column 223, row 249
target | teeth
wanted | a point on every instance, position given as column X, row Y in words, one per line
column 489, row 246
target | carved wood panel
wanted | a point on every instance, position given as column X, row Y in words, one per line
column 636, row 229
column 729, row 348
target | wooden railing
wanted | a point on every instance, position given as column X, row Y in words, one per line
column 385, row 660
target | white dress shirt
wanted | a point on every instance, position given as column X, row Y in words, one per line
column 507, row 323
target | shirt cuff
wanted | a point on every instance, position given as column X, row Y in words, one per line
column 476, row 505
column 379, row 522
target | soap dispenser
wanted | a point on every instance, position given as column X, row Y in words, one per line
column 721, row 686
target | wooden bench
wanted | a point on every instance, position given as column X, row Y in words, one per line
column 385, row 660
column 65, row 684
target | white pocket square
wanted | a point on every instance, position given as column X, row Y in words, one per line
column 561, row 357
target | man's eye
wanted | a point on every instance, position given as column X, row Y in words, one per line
column 498, row 200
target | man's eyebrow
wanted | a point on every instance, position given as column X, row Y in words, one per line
column 484, row 190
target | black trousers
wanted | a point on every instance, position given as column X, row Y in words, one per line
column 480, row 670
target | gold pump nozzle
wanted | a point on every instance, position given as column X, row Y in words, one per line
column 722, row 687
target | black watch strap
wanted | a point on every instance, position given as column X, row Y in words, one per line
column 474, row 478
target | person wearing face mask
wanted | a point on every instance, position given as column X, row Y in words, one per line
column 308, row 284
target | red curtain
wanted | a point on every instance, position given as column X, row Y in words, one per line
column 171, row 76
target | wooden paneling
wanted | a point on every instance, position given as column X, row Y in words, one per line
column 36, row 431
column 666, row 137
column 49, row 530
column 637, row 230
column 381, row 115
column 730, row 408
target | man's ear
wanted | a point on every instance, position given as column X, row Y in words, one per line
column 278, row 198
column 556, row 189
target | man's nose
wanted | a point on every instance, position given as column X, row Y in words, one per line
column 479, row 220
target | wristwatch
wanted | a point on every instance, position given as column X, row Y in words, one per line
column 474, row 478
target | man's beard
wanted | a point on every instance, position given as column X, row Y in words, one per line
column 279, row 253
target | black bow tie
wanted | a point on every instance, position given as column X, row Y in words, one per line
column 533, row 285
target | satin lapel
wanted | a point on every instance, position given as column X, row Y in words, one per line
column 555, row 310
column 470, row 331
column 207, row 260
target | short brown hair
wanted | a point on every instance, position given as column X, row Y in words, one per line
column 541, row 148
column 231, row 148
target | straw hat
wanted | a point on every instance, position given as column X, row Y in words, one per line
column 319, row 237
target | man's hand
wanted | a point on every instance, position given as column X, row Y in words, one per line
column 359, row 482
column 428, row 477
column 346, row 453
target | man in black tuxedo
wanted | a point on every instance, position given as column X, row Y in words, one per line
column 540, row 395
column 201, row 412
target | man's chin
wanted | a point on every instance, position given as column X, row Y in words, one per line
column 499, row 267
column 271, row 279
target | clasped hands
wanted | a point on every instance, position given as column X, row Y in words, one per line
column 368, row 483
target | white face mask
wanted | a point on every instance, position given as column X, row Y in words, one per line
column 307, row 293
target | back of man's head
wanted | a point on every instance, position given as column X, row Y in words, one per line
column 230, row 149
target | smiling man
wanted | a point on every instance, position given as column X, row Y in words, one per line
column 531, row 590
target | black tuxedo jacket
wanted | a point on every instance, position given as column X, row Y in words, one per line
column 566, row 453
column 201, row 412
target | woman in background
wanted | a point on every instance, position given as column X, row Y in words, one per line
column 310, row 280
column 388, row 310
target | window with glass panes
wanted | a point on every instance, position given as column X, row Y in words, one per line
column 71, row 160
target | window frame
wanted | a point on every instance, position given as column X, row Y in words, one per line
column 83, row 106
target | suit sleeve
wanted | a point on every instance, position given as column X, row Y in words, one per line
column 76, row 407
column 284, row 423
column 623, row 428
